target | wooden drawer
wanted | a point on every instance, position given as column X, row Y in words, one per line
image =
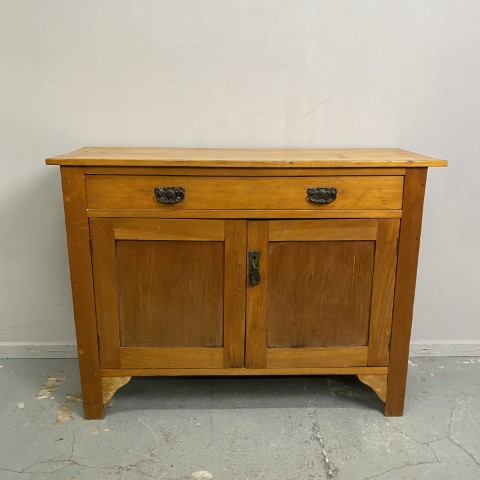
column 241, row 193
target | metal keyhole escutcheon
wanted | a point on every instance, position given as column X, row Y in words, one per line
column 253, row 267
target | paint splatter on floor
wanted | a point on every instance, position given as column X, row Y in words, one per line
column 202, row 475
column 49, row 387
column 64, row 414
column 74, row 397
column 64, row 410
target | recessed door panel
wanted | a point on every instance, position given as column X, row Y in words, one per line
column 170, row 294
column 319, row 293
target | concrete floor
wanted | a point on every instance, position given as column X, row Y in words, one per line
column 241, row 428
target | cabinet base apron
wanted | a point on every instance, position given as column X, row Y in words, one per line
column 373, row 377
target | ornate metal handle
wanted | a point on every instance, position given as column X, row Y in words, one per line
column 253, row 267
column 321, row 195
column 169, row 194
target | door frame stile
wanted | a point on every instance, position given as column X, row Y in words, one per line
column 257, row 300
column 234, row 301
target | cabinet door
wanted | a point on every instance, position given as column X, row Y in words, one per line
column 324, row 295
column 169, row 293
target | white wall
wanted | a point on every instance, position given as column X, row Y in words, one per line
column 297, row 73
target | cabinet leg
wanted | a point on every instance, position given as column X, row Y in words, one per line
column 76, row 223
column 396, row 396
column 92, row 396
column 406, row 275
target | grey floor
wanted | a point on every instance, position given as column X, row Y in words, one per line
column 241, row 428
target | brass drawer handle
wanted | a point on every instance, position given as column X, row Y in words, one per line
column 322, row 195
column 253, row 267
column 169, row 194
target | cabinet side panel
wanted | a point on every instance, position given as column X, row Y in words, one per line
column 73, row 184
column 406, row 276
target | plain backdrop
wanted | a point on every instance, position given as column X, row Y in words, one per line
column 219, row 73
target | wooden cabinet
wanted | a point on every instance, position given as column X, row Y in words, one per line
column 242, row 262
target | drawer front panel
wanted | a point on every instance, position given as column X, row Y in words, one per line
column 255, row 193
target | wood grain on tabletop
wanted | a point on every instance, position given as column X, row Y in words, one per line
column 242, row 157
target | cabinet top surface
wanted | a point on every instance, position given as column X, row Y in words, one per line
column 244, row 157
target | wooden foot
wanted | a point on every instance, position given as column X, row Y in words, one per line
column 378, row 383
column 91, row 395
column 394, row 406
column 110, row 385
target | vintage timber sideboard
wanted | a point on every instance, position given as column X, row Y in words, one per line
column 242, row 262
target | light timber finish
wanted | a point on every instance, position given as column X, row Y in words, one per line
column 333, row 230
column 378, row 383
column 235, row 291
column 382, row 293
column 143, row 357
column 307, row 306
column 106, row 298
column 316, row 357
column 179, row 230
column 243, row 214
column 246, row 272
column 243, row 172
column 76, row 222
column 163, row 298
column 245, row 157
column 184, row 314
column 256, row 314
column 406, row 276
column 110, row 385
column 330, row 283
column 241, row 372
column 244, row 193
